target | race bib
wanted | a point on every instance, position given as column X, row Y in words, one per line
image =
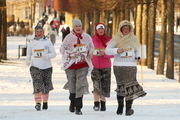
column 38, row 53
column 127, row 53
column 80, row 48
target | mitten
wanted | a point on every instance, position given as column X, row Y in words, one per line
column 46, row 56
column 28, row 62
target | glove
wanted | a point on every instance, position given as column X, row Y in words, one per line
column 28, row 62
column 46, row 56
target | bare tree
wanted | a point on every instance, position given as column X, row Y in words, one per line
column 104, row 17
column 114, row 21
column 151, row 34
column 162, row 48
column 145, row 27
column 3, row 30
column 170, row 46
column 86, row 22
column 139, row 21
column 127, row 10
column 101, row 9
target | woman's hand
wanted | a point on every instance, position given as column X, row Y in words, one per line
column 101, row 53
column 90, row 55
column 138, row 59
column 120, row 51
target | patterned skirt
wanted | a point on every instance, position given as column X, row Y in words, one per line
column 41, row 79
column 127, row 84
column 77, row 81
column 101, row 81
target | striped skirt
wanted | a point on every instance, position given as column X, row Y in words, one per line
column 42, row 79
column 127, row 84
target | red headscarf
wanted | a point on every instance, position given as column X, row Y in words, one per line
column 103, row 37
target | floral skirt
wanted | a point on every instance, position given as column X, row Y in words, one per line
column 41, row 79
column 127, row 84
column 101, row 81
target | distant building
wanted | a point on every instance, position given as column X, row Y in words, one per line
column 28, row 11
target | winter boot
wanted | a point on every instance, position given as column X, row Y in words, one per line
column 78, row 111
column 71, row 107
column 103, row 106
column 72, row 102
column 129, row 111
column 96, row 106
column 38, row 106
column 120, row 100
column 45, row 106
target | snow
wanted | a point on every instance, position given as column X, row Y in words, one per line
column 16, row 99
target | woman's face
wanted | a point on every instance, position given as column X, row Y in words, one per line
column 125, row 30
column 39, row 33
column 101, row 31
column 77, row 28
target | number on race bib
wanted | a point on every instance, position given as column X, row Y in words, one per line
column 96, row 51
column 38, row 53
column 127, row 53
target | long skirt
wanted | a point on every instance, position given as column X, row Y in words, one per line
column 101, row 81
column 42, row 79
column 53, row 38
column 77, row 81
column 127, row 84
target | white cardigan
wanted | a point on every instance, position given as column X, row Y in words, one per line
column 43, row 45
column 68, row 46
column 118, row 60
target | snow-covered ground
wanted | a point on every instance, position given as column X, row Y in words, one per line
column 16, row 99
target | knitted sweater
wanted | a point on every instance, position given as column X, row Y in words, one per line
column 122, row 59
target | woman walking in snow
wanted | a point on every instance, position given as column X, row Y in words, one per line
column 101, row 74
column 40, row 51
column 76, row 52
column 126, row 50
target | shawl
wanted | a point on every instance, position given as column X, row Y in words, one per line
column 125, row 41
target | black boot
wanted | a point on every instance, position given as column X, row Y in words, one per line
column 96, row 106
column 72, row 102
column 71, row 107
column 120, row 100
column 78, row 111
column 45, row 106
column 103, row 106
column 78, row 105
column 38, row 106
column 129, row 111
